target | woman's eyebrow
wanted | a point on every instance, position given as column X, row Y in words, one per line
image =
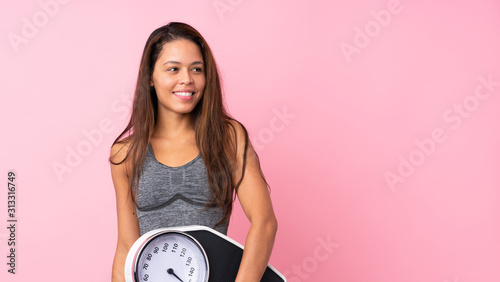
column 175, row 62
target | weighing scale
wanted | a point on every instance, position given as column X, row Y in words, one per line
column 187, row 254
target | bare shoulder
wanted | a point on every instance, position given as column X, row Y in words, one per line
column 119, row 151
column 121, row 166
column 240, row 138
column 237, row 133
column 246, row 160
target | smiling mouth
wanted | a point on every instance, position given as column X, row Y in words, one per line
column 185, row 94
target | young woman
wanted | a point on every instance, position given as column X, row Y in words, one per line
column 182, row 159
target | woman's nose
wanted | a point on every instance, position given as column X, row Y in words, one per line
column 185, row 77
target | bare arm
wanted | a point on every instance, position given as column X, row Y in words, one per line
column 256, row 203
column 128, row 225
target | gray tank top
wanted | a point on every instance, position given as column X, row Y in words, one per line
column 175, row 196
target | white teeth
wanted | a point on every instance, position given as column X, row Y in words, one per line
column 184, row 93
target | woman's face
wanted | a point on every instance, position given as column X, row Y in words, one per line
column 179, row 77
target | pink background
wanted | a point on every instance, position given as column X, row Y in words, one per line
column 337, row 96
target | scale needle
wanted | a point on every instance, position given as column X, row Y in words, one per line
column 171, row 271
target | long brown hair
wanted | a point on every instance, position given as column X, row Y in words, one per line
column 211, row 120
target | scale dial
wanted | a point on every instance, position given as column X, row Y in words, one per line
column 170, row 256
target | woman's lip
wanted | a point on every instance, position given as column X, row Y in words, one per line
column 184, row 97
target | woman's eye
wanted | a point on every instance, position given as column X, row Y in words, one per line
column 198, row 69
column 172, row 69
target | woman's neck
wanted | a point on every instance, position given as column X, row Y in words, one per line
column 174, row 127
